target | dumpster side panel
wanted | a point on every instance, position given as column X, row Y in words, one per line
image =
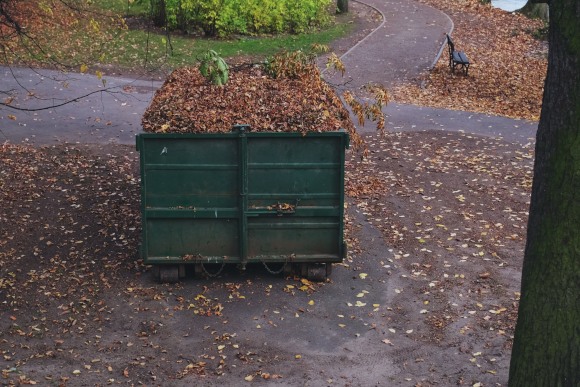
column 242, row 197
column 190, row 197
column 295, row 188
column 188, row 238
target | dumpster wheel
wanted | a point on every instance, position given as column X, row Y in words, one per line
column 316, row 271
column 166, row 273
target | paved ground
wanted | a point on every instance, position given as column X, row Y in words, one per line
column 405, row 44
column 337, row 342
column 111, row 116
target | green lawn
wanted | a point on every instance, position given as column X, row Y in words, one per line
column 140, row 48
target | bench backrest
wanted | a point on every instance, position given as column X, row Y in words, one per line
column 450, row 44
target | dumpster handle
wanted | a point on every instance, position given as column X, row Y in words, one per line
column 279, row 209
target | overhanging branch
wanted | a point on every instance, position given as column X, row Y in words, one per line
column 66, row 102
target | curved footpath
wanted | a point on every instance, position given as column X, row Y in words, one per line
column 407, row 43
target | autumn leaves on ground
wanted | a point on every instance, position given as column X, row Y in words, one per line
column 508, row 64
column 77, row 305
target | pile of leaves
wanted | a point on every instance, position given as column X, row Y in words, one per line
column 508, row 64
column 266, row 98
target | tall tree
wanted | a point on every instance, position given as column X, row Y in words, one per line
column 546, row 348
column 535, row 9
column 158, row 13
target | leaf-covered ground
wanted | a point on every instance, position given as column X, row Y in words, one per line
column 508, row 64
column 52, row 33
column 78, row 306
column 429, row 299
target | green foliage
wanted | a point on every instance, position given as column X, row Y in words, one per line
column 138, row 47
column 214, row 68
column 248, row 17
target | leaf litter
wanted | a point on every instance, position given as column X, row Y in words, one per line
column 508, row 64
column 457, row 261
column 433, row 244
column 188, row 103
column 70, row 235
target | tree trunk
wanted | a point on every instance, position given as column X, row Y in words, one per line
column 546, row 349
column 536, row 10
column 158, row 13
column 341, row 6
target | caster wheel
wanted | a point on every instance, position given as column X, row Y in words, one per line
column 328, row 269
column 198, row 270
column 288, row 270
column 169, row 274
column 156, row 273
column 317, row 272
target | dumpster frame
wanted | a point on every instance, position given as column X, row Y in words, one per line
column 303, row 214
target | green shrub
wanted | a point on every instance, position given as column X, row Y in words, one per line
column 248, row 17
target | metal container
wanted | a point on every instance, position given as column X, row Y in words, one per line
column 242, row 197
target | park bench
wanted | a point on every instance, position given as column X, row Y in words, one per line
column 457, row 58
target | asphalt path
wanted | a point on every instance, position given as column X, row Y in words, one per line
column 112, row 112
column 91, row 111
column 408, row 42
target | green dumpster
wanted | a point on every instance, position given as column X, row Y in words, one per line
column 242, row 197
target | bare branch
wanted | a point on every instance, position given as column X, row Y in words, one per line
column 66, row 102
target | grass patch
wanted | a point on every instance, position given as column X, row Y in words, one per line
column 147, row 49
column 97, row 39
column 144, row 49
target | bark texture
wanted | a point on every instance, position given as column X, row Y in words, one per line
column 158, row 12
column 536, row 10
column 342, row 6
column 546, row 348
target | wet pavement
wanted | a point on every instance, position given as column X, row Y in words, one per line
column 341, row 344
column 406, row 43
column 99, row 113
